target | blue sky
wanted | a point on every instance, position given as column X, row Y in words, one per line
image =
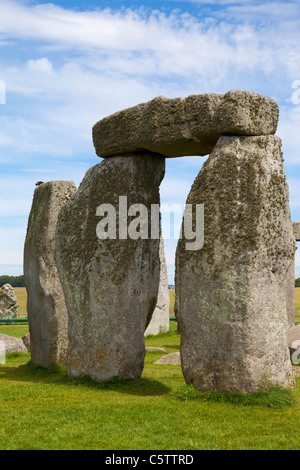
column 66, row 64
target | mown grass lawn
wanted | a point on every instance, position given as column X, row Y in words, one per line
column 21, row 294
column 297, row 305
column 44, row 409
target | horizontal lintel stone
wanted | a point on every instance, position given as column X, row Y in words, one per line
column 185, row 126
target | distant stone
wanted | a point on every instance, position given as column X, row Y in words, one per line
column 296, row 229
column 172, row 358
column 110, row 284
column 47, row 313
column 155, row 349
column 8, row 302
column 184, row 126
column 293, row 337
column 290, row 293
column 13, row 344
column 232, row 293
column 160, row 321
column 26, row 340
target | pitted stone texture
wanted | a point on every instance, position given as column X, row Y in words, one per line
column 185, row 126
column 8, row 302
column 160, row 320
column 110, row 285
column 47, row 313
column 232, row 293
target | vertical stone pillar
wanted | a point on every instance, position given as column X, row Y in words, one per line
column 160, row 321
column 111, row 284
column 47, row 314
column 232, row 295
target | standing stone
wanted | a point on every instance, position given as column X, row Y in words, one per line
column 110, row 285
column 8, row 302
column 232, row 293
column 47, row 313
column 160, row 320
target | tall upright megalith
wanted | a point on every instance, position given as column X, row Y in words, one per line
column 109, row 265
column 47, row 314
column 160, row 320
column 232, row 294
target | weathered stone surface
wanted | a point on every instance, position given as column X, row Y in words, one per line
column 172, row 358
column 185, row 126
column 8, row 302
column 160, row 319
column 26, row 340
column 12, row 344
column 296, row 229
column 232, row 293
column 47, row 313
column 110, row 285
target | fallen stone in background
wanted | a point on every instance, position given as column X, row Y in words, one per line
column 155, row 349
column 13, row 344
column 172, row 358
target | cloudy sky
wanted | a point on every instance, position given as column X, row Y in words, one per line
column 66, row 64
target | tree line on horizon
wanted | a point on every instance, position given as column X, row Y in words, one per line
column 14, row 281
column 19, row 281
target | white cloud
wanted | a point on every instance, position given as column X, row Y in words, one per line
column 75, row 67
column 149, row 42
column 40, row 65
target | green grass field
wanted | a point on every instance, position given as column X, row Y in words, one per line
column 44, row 409
column 297, row 305
column 172, row 302
column 22, row 301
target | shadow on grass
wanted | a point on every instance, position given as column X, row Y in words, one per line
column 276, row 397
column 57, row 374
